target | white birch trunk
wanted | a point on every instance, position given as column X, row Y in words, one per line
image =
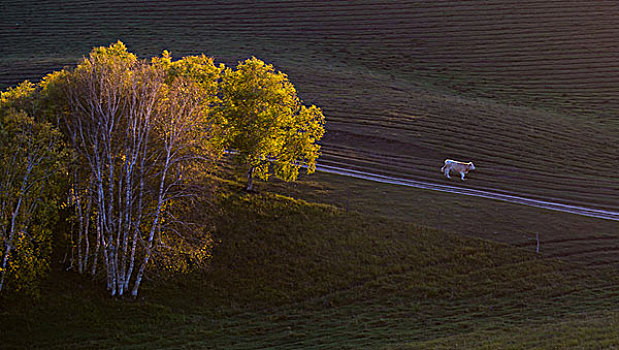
column 155, row 223
column 11, row 234
column 80, row 229
column 86, row 231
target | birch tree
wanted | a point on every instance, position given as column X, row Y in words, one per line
column 265, row 124
column 31, row 153
column 138, row 127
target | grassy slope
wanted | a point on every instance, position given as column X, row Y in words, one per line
column 587, row 241
column 525, row 89
column 404, row 84
column 288, row 274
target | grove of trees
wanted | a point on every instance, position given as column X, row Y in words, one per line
column 124, row 146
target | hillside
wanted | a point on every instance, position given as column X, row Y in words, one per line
column 290, row 274
column 524, row 89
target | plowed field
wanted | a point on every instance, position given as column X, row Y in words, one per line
column 525, row 89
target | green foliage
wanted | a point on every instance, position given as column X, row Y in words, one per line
column 196, row 77
column 266, row 124
column 199, row 69
column 114, row 56
column 177, row 257
column 52, row 95
column 21, row 97
column 29, row 260
column 31, row 162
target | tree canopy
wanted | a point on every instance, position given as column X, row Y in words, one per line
column 267, row 128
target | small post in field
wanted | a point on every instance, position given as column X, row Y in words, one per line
column 440, row 219
column 537, row 238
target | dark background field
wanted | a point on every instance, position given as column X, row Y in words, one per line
column 525, row 89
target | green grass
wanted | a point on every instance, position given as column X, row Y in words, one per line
column 580, row 331
column 288, row 274
column 524, row 89
column 561, row 234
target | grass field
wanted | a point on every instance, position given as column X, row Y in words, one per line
column 290, row 274
column 525, row 89
column 588, row 241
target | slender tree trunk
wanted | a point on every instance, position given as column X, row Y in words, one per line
column 87, row 230
column 9, row 240
column 5, row 261
column 80, row 230
column 149, row 245
column 250, row 179
column 95, row 257
column 155, row 224
column 136, row 232
column 8, row 248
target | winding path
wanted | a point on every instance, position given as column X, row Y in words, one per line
column 572, row 209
